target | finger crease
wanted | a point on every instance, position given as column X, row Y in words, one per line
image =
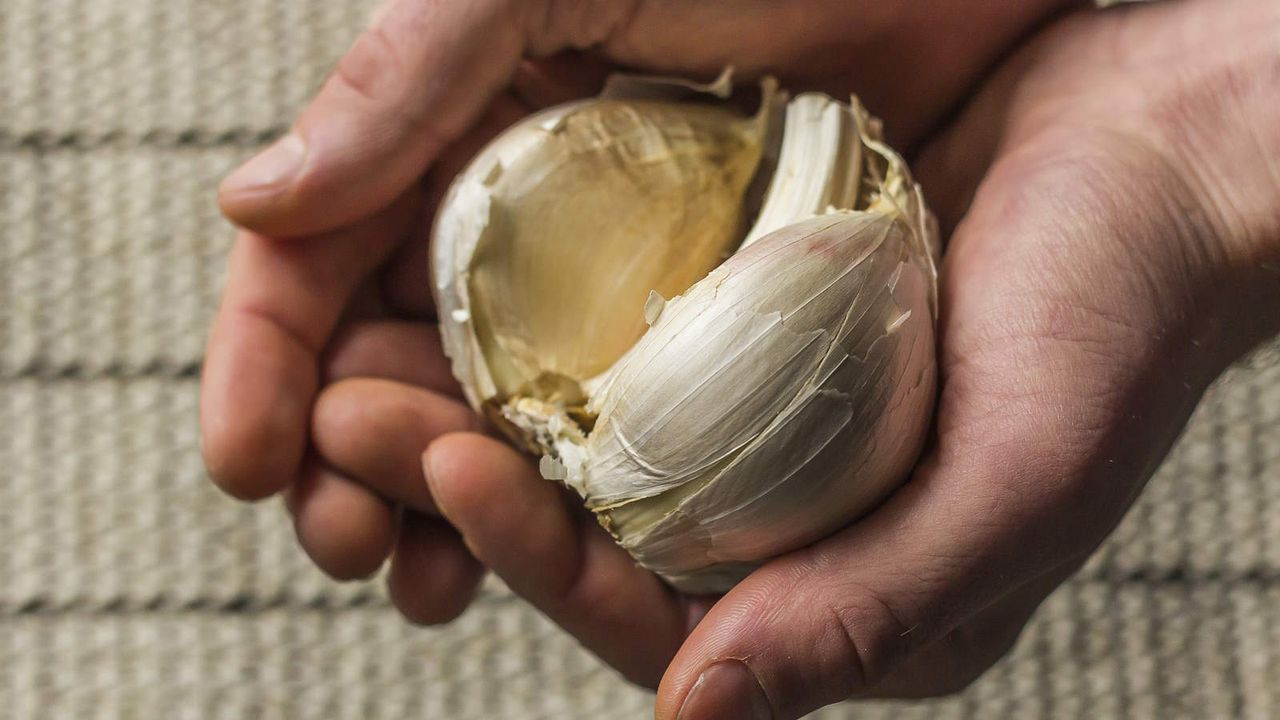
column 856, row 677
column 281, row 325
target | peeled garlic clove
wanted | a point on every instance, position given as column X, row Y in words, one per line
column 713, row 412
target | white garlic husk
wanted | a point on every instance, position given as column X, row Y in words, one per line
column 786, row 386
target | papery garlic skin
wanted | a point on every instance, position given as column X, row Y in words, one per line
column 781, row 397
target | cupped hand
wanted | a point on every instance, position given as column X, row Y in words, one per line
column 1115, row 193
column 1120, row 247
column 1116, row 203
column 327, row 285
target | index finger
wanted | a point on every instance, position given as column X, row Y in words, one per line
column 409, row 86
column 282, row 301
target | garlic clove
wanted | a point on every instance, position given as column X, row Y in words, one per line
column 782, row 396
column 819, row 167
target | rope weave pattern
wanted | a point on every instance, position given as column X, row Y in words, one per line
column 130, row 589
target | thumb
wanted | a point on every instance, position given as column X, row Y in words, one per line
column 832, row 621
column 412, row 83
column 836, row 619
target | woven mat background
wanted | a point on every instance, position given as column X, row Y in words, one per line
column 130, row 589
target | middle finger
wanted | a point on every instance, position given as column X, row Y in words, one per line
column 374, row 431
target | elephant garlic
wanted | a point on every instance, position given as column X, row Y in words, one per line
column 716, row 327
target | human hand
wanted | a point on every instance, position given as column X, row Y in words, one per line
column 327, row 288
column 1117, row 244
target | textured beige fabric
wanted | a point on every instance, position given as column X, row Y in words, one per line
column 130, row 589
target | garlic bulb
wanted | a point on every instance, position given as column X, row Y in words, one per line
column 785, row 387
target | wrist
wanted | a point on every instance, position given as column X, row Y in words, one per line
column 1218, row 120
column 1238, row 181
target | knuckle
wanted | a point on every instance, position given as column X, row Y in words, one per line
column 338, row 412
column 340, row 539
column 372, row 69
column 580, row 24
column 351, row 413
column 877, row 637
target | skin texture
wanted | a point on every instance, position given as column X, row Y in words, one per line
column 1111, row 191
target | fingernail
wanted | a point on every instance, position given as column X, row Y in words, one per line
column 428, row 474
column 427, row 470
column 274, row 167
column 727, row 690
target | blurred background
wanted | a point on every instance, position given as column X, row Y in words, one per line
column 130, row 588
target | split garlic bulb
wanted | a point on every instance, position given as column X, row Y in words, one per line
column 786, row 386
